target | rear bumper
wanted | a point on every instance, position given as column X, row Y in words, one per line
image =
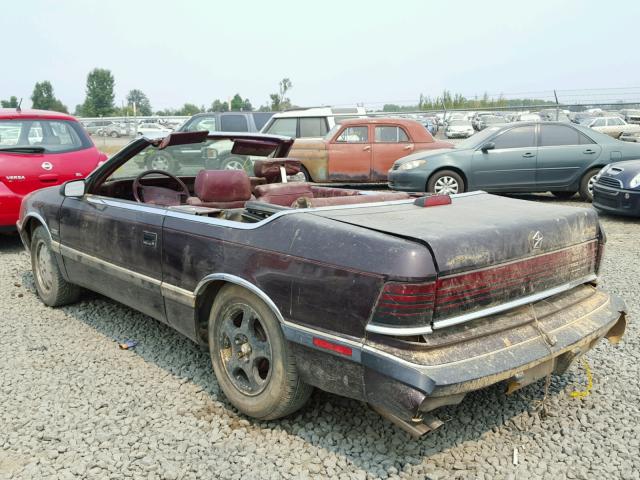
column 408, row 381
column 616, row 200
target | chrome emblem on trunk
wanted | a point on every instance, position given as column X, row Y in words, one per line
column 46, row 165
column 535, row 239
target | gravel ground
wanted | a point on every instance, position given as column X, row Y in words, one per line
column 73, row 405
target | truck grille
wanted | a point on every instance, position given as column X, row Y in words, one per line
column 610, row 182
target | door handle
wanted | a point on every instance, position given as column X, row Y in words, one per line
column 366, row 148
column 149, row 239
column 588, row 151
column 48, row 177
column 408, row 147
column 528, row 155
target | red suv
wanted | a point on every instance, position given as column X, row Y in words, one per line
column 39, row 149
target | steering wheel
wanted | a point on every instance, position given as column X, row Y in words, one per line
column 162, row 194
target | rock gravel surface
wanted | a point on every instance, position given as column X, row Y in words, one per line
column 73, row 405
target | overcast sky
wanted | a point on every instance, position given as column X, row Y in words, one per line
column 335, row 53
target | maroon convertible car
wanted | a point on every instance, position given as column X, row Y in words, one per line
column 404, row 302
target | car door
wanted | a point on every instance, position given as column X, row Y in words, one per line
column 510, row 165
column 391, row 142
column 350, row 154
column 563, row 154
column 114, row 246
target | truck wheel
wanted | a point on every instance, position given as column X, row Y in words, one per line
column 162, row 161
column 563, row 195
column 51, row 286
column 586, row 184
column 445, row 182
column 233, row 163
column 114, row 134
column 251, row 359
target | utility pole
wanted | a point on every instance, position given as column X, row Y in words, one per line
column 557, row 105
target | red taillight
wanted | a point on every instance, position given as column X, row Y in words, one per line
column 405, row 305
column 334, row 347
column 433, row 201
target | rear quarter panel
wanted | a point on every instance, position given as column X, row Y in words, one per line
column 313, row 154
column 319, row 272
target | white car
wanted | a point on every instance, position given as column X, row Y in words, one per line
column 459, row 129
column 529, row 117
column 310, row 122
column 153, row 130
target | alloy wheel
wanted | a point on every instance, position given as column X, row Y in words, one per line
column 160, row 162
column 446, row 185
column 245, row 349
column 234, row 164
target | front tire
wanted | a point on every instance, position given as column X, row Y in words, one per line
column 162, row 161
column 446, row 182
column 51, row 286
column 586, row 184
column 252, row 361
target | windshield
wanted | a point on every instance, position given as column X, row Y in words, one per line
column 332, row 132
column 43, row 136
column 476, row 140
column 187, row 160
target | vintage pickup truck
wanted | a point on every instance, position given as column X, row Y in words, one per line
column 362, row 150
column 404, row 303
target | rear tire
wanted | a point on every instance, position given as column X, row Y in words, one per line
column 446, row 182
column 51, row 286
column 586, row 184
column 563, row 195
column 305, row 172
column 252, row 361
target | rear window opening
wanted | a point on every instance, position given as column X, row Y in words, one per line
column 52, row 136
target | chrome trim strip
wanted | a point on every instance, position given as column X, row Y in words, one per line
column 399, row 331
column 55, row 246
column 512, row 304
column 467, row 317
column 110, row 268
column 177, row 294
column 243, row 283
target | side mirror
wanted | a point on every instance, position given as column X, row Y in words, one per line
column 73, row 188
column 488, row 146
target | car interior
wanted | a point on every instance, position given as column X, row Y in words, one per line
column 234, row 195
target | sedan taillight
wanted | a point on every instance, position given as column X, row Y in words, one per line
column 405, row 305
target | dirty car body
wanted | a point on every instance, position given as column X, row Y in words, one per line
column 387, row 302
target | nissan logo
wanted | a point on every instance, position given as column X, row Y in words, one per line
column 46, row 166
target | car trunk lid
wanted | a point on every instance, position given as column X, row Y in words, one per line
column 490, row 250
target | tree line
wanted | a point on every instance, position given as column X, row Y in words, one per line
column 100, row 100
column 458, row 101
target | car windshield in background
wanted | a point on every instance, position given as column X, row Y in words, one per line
column 189, row 159
column 202, row 123
column 477, row 139
column 43, row 136
column 459, row 123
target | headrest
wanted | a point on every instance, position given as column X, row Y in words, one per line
column 270, row 169
column 222, row 186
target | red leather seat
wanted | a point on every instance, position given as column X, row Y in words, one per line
column 282, row 193
column 270, row 169
column 221, row 189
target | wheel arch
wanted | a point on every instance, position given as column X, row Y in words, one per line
column 458, row 170
column 31, row 221
column 207, row 290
